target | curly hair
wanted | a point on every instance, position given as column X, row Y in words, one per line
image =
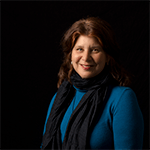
column 94, row 27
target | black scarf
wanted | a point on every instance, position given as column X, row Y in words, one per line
column 83, row 117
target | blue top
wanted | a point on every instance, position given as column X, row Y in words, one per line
column 120, row 126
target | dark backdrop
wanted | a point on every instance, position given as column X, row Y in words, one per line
column 31, row 57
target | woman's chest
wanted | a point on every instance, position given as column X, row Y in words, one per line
column 101, row 136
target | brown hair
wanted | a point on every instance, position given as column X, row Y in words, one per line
column 96, row 27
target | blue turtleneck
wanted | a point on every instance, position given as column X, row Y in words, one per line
column 121, row 123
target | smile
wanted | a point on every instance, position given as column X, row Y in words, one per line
column 86, row 67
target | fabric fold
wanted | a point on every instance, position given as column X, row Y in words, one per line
column 83, row 117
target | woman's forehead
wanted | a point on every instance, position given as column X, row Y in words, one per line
column 83, row 39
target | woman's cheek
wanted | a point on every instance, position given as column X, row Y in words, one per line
column 77, row 58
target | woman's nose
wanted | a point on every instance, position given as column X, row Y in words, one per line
column 86, row 56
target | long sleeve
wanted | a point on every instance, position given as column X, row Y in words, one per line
column 128, row 124
column 121, row 124
column 48, row 112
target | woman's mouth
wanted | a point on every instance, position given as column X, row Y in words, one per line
column 86, row 67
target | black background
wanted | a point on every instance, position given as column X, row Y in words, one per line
column 31, row 57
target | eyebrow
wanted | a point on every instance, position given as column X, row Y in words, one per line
column 95, row 46
column 79, row 46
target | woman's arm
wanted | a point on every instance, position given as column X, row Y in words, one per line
column 48, row 112
column 128, row 124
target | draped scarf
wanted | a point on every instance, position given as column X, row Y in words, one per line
column 83, row 117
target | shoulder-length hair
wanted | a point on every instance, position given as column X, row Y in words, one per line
column 95, row 27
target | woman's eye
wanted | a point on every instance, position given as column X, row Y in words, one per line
column 95, row 50
column 79, row 49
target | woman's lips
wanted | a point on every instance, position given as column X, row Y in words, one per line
column 86, row 67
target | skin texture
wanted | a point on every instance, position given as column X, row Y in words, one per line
column 88, row 58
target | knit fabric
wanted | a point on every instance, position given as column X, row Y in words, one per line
column 120, row 125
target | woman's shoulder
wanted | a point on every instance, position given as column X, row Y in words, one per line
column 121, row 94
column 118, row 91
column 50, row 105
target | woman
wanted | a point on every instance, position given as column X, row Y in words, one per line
column 93, row 108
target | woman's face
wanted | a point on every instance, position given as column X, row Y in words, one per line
column 88, row 58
